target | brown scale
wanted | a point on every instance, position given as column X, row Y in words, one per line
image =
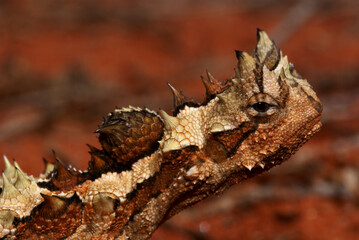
column 55, row 218
column 130, row 135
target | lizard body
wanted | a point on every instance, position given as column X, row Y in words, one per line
column 152, row 166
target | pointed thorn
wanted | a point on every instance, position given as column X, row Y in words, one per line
column 210, row 87
column 239, row 54
column 248, row 167
column 98, row 163
column 246, row 64
column 21, row 182
column 170, row 145
column 103, row 205
column 54, row 154
column 249, row 164
column 17, row 167
column 49, row 167
column 211, row 78
column 8, row 190
column 259, row 31
column 6, row 220
column 222, row 98
column 9, row 168
column 63, row 173
column 92, row 148
column 262, row 165
column 178, row 97
column 169, row 121
column 235, row 81
column 52, row 206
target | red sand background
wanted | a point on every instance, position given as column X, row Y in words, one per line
column 64, row 65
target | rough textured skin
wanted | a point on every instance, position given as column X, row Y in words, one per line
column 152, row 166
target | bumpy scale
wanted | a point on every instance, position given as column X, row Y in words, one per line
column 152, row 166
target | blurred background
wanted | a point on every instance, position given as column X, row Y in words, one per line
column 66, row 64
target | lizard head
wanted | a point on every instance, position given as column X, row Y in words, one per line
column 256, row 119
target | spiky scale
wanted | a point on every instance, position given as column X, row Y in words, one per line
column 178, row 98
column 264, row 45
column 21, row 182
column 214, row 86
column 9, row 170
column 62, row 174
column 98, row 162
column 52, row 206
column 246, row 65
column 169, row 121
column 9, row 191
column 103, row 205
column 248, row 164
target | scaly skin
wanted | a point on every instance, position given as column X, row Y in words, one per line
column 153, row 166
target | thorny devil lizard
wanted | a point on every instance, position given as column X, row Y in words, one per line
column 153, row 166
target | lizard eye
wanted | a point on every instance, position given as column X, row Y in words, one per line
column 262, row 106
